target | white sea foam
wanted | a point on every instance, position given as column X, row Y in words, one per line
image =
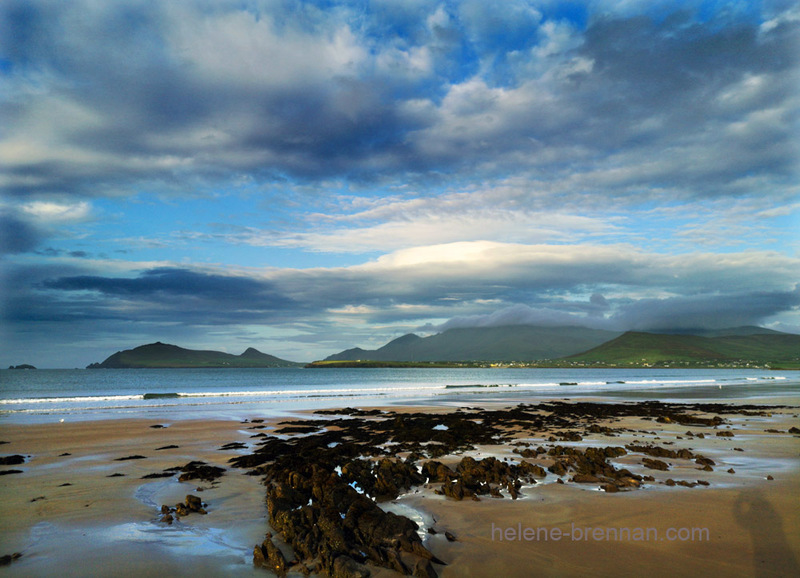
column 90, row 394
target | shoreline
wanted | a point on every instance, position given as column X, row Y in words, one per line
column 53, row 525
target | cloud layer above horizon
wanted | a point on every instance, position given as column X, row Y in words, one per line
column 305, row 177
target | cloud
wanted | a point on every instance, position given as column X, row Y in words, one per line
column 18, row 235
column 24, row 227
column 709, row 311
column 193, row 296
column 53, row 212
column 467, row 161
column 192, row 96
column 685, row 312
column 410, row 284
column 519, row 314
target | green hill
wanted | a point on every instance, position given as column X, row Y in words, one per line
column 636, row 348
column 163, row 355
column 507, row 343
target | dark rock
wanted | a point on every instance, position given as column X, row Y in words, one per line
column 450, row 537
column 234, row 446
column 531, row 470
column 298, row 429
column 794, row 430
column 585, row 479
column 126, row 458
column 7, row 472
column 558, row 469
column 655, row 464
column 704, row 461
column 725, row 434
column 268, row 555
column 7, row 559
column 346, row 567
column 437, row 472
column 456, row 490
column 158, row 475
column 194, row 504
column 200, row 471
column 660, row 452
column 424, row 569
column 12, row 460
column 169, row 447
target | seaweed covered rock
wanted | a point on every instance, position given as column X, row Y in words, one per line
column 325, row 479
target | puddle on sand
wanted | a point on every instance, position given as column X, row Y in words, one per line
column 134, row 548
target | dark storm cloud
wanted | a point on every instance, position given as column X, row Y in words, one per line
column 179, row 283
column 18, row 235
column 165, row 296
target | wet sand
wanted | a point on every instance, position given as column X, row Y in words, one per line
column 101, row 525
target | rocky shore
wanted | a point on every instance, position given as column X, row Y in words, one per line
column 326, row 478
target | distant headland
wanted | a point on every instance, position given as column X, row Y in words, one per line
column 165, row 356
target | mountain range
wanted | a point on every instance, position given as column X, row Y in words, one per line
column 532, row 343
column 504, row 343
column 163, row 355
column 564, row 345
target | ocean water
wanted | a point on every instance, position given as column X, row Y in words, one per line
column 28, row 396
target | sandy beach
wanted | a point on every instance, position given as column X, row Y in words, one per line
column 80, row 505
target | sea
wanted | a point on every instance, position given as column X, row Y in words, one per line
column 39, row 396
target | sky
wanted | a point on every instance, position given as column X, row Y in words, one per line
column 305, row 177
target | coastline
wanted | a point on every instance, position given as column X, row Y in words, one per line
column 100, row 521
